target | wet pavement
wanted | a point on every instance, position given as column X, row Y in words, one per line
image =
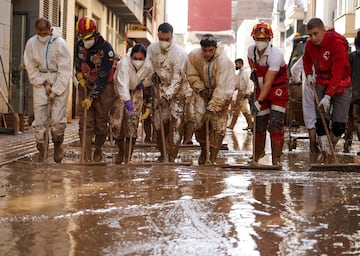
column 73, row 209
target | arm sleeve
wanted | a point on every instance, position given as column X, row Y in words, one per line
column 339, row 59
column 307, row 62
column 31, row 66
column 225, row 85
column 296, row 70
column 123, row 80
column 193, row 76
column 63, row 69
column 178, row 74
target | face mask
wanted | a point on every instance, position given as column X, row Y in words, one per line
column 261, row 45
column 164, row 44
column 89, row 43
column 137, row 63
column 43, row 39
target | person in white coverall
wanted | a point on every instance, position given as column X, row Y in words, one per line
column 244, row 88
column 308, row 103
column 169, row 61
column 132, row 76
column 48, row 64
column 211, row 75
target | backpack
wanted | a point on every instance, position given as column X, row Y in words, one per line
column 339, row 37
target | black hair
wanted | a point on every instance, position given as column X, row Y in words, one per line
column 138, row 48
column 240, row 60
column 208, row 40
column 43, row 20
column 165, row 28
column 315, row 23
column 357, row 40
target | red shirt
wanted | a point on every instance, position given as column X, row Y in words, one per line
column 331, row 64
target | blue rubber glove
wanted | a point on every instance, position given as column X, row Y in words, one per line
column 129, row 106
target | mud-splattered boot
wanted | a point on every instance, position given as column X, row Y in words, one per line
column 313, row 143
column 202, row 157
column 42, row 152
column 259, row 147
column 99, row 143
column 58, row 150
column 276, row 152
column 121, row 147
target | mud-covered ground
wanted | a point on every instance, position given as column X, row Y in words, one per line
column 73, row 209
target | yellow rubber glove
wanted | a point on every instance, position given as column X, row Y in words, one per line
column 81, row 79
column 146, row 114
column 82, row 83
column 79, row 76
column 86, row 103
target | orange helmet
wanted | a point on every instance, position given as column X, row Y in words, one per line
column 86, row 28
column 262, row 30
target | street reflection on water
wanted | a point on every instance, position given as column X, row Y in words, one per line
column 176, row 210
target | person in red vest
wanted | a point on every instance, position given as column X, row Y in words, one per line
column 94, row 59
column 326, row 53
column 270, row 79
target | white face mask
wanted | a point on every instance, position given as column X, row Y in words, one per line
column 164, row 44
column 137, row 63
column 43, row 39
column 261, row 45
column 89, row 43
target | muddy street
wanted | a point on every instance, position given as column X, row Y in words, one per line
column 113, row 209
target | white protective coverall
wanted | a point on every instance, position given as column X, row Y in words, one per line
column 170, row 68
column 126, row 79
column 308, row 104
column 218, row 77
column 49, row 61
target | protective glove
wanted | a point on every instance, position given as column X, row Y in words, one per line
column 129, row 106
column 52, row 97
column 163, row 103
column 256, row 106
column 86, row 103
column 80, row 78
column 253, row 76
column 146, row 114
column 310, row 81
column 325, row 102
column 205, row 94
column 47, row 87
column 140, row 86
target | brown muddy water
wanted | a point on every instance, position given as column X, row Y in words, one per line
column 113, row 209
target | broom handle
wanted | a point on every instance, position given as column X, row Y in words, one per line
column 321, row 112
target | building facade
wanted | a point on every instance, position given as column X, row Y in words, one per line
column 122, row 23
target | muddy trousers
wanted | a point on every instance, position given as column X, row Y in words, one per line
column 171, row 148
column 276, row 130
column 125, row 151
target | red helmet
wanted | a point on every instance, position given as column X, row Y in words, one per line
column 86, row 28
column 262, row 30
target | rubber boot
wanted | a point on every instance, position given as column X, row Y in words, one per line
column 127, row 152
column 248, row 118
column 334, row 139
column 313, row 143
column 233, row 122
column 276, row 152
column 259, row 147
column 58, row 151
column 120, row 156
column 202, row 157
column 147, row 130
column 215, row 144
column 99, row 143
column 189, row 130
column 159, row 146
column 42, row 154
